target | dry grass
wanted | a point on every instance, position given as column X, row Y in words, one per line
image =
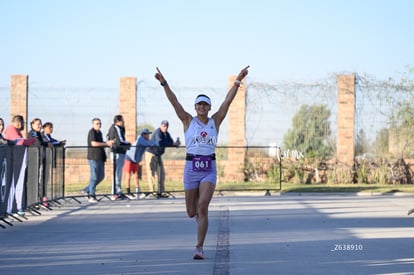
column 106, row 186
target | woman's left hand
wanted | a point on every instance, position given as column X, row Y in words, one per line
column 243, row 73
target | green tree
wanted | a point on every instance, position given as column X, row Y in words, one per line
column 310, row 131
column 362, row 143
column 381, row 142
column 403, row 128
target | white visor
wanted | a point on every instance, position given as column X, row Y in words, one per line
column 202, row 99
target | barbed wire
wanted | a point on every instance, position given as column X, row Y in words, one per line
column 270, row 106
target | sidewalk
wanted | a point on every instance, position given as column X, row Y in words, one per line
column 279, row 234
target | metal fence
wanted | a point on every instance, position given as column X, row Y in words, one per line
column 30, row 178
column 259, row 168
column 33, row 178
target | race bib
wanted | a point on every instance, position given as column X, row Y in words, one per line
column 202, row 163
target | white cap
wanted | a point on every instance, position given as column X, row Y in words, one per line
column 202, row 99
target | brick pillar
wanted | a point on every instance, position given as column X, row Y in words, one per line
column 237, row 134
column 346, row 119
column 18, row 98
column 128, row 106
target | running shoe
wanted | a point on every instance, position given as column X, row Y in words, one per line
column 21, row 213
column 92, row 199
column 198, row 254
column 130, row 196
column 116, row 197
column 45, row 202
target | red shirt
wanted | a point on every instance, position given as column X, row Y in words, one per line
column 11, row 133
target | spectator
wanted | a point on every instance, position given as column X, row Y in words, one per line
column 47, row 135
column 153, row 158
column 132, row 160
column 36, row 127
column 96, row 158
column 117, row 133
column 2, row 139
column 41, row 144
column 13, row 132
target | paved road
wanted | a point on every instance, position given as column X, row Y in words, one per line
column 278, row 234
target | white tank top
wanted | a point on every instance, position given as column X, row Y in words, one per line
column 200, row 138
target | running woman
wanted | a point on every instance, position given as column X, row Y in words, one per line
column 201, row 132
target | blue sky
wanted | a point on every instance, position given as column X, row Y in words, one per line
column 93, row 43
column 64, row 44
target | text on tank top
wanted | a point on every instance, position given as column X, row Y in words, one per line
column 200, row 138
